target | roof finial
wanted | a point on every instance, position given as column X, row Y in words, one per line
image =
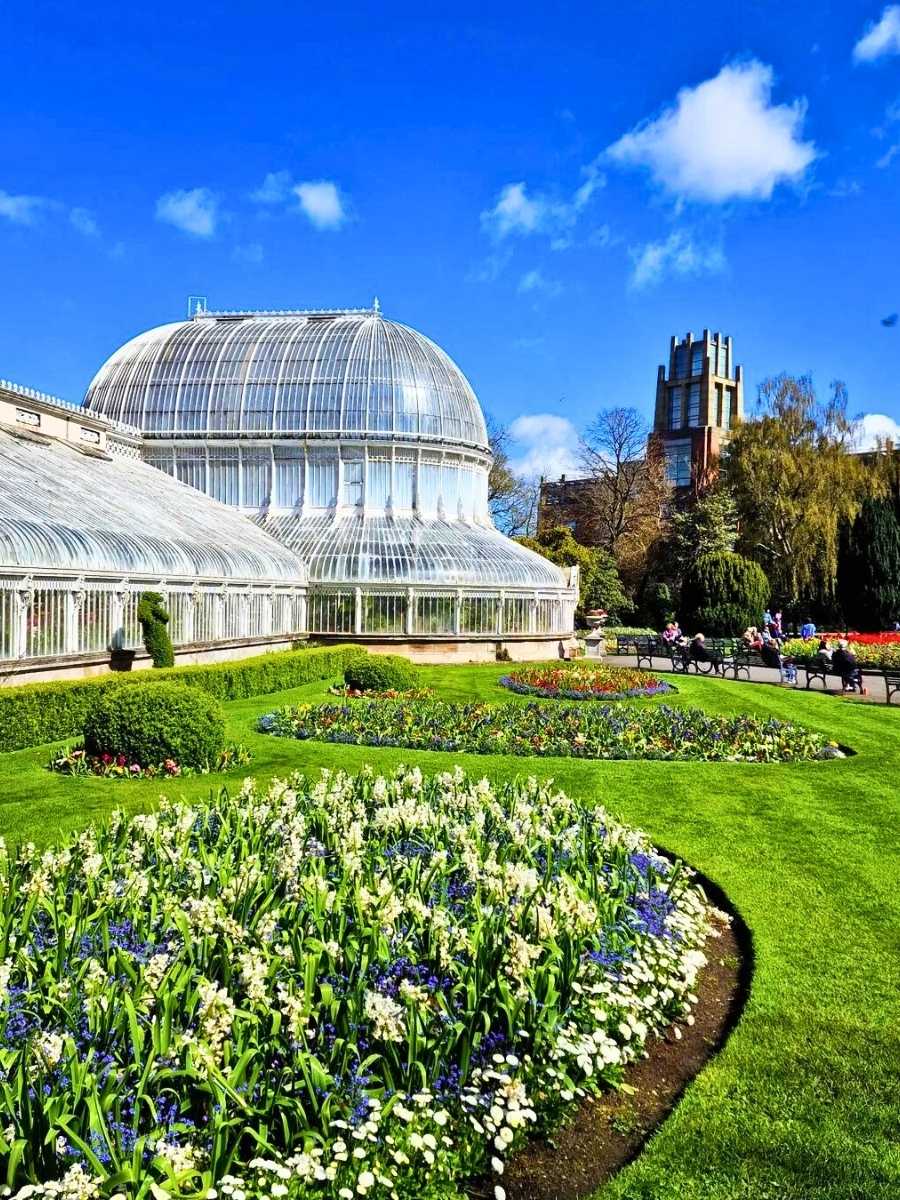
column 376, row 305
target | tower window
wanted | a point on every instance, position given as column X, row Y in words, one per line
column 693, row 413
column 678, row 463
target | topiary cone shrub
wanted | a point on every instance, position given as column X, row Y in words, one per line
column 381, row 673
column 722, row 594
column 152, row 722
column 153, row 619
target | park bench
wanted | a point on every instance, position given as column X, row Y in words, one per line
column 891, row 683
column 645, row 648
column 682, row 660
column 818, row 670
column 624, row 645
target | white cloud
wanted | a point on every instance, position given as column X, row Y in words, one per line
column 543, row 444
column 534, row 281
column 677, row 255
column 274, row 189
column 251, row 253
column 845, row 187
column 21, row 210
column 516, row 212
column 322, row 203
column 874, row 427
column 722, row 140
column 490, row 268
column 889, row 155
column 880, row 39
column 193, row 211
column 84, row 221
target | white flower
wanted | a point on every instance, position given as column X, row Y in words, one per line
column 386, row 1016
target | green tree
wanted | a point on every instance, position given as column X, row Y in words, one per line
column 722, row 594
column 869, row 567
column 708, row 526
column 599, row 583
column 796, row 482
column 153, row 620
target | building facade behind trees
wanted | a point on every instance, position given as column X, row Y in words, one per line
column 699, row 400
column 698, row 403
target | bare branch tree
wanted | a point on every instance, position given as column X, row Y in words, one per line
column 513, row 500
column 627, row 479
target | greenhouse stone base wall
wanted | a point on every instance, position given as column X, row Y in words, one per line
column 474, row 650
column 84, row 666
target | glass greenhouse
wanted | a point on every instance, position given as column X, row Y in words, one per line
column 85, row 527
column 358, row 444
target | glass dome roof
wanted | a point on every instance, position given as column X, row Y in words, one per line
column 315, row 374
column 63, row 509
column 409, row 550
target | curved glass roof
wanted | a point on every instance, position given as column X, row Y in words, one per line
column 410, row 551
column 316, row 374
column 62, row 509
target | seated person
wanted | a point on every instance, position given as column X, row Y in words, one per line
column 823, row 654
column 808, row 630
column 772, row 657
column 699, row 653
column 844, row 662
column 670, row 634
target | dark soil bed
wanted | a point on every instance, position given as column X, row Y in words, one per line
column 609, row 1131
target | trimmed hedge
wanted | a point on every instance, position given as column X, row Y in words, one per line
column 156, row 722
column 46, row 712
column 381, row 673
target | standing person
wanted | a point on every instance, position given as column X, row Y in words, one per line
column 776, row 625
column 808, row 630
column 767, row 619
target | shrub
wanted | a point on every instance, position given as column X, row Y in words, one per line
column 381, row 673
column 156, row 722
column 153, row 619
column 46, row 712
column 614, row 631
column 599, row 584
column 722, row 594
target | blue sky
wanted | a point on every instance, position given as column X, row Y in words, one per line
column 520, row 182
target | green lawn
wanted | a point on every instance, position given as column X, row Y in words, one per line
column 803, row 1102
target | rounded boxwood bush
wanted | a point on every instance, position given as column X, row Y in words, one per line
column 152, row 722
column 722, row 594
column 380, row 673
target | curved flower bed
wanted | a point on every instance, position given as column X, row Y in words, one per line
column 584, row 681
column 566, row 730
column 358, row 985
column 76, row 761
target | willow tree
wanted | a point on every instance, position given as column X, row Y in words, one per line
column 796, row 482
